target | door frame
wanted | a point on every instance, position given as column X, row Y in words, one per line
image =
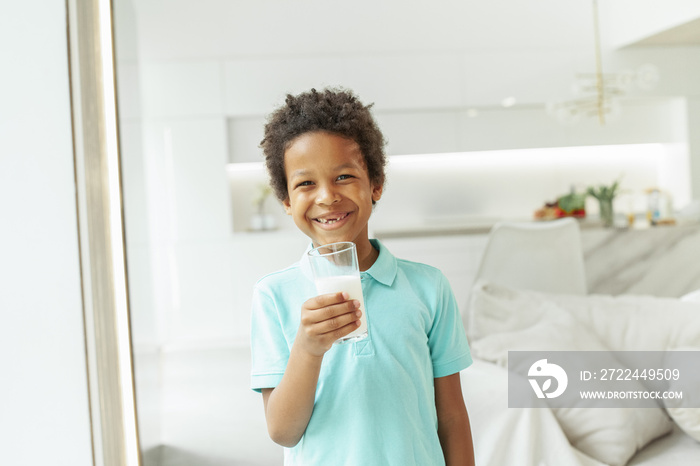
column 101, row 233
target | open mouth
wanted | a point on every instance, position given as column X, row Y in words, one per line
column 331, row 220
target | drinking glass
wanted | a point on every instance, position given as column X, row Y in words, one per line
column 336, row 269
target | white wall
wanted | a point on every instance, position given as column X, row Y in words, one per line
column 43, row 395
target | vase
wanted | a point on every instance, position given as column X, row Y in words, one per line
column 262, row 222
column 606, row 212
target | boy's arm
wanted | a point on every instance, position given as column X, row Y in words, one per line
column 453, row 422
column 288, row 406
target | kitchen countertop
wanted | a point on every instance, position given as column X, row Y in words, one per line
column 659, row 261
column 469, row 226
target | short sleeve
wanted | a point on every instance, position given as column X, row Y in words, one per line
column 449, row 349
column 269, row 348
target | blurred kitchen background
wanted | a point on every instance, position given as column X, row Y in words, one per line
column 472, row 97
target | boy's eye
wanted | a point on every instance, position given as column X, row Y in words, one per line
column 344, row 177
column 304, row 183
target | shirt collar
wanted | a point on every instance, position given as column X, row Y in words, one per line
column 383, row 270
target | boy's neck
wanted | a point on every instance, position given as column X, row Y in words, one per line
column 366, row 255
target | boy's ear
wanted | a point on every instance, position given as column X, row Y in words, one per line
column 287, row 206
column 377, row 192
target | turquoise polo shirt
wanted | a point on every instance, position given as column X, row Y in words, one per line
column 375, row 398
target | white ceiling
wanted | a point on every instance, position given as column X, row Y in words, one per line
column 183, row 29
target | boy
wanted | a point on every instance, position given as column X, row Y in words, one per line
column 393, row 398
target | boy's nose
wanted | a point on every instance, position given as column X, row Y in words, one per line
column 327, row 195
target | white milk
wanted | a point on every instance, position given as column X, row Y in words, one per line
column 352, row 285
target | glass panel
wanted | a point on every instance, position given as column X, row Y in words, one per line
column 195, row 82
column 190, row 276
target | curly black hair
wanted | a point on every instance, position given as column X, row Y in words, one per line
column 336, row 111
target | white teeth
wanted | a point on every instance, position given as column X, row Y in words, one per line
column 329, row 220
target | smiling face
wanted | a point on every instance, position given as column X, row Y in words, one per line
column 329, row 191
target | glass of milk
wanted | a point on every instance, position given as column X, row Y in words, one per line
column 336, row 269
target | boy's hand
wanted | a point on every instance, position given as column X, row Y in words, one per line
column 326, row 318
column 289, row 405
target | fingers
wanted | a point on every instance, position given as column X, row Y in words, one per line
column 328, row 307
column 325, row 319
column 338, row 326
column 328, row 331
column 330, row 316
column 325, row 300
